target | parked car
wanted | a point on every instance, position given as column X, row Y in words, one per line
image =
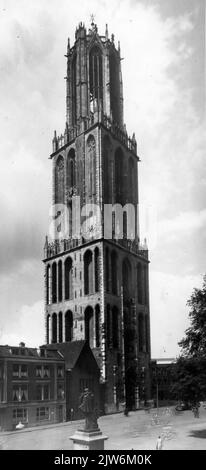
column 182, row 406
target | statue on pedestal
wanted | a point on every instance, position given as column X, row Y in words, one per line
column 87, row 406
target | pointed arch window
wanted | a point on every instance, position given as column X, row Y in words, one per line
column 107, row 169
column 114, row 67
column 114, row 272
column 95, row 76
column 71, row 169
column 74, row 93
column 68, row 326
column 131, row 178
column 48, row 329
column 97, row 326
column 60, row 339
column 119, row 177
column 68, row 279
column 96, row 268
column 115, row 327
column 126, row 278
column 54, row 283
column 141, row 332
column 90, row 171
column 60, row 281
column 59, row 181
column 139, row 283
column 88, row 272
column 88, row 319
column 48, row 284
column 54, row 328
column 125, row 224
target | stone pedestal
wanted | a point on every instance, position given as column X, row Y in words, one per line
column 88, row 440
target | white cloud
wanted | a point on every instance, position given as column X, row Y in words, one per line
column 185, row 224
column 29, row 328
column 169, row 314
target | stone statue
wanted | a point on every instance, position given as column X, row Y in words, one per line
column 87, row 406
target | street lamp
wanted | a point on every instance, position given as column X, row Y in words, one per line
column 142, row 375
column 114, row 385
column 157, row 388
column 136, row 390
column 157, row 394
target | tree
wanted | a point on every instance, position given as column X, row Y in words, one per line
column 189, row 373
column 194, row 343
column 189, row 379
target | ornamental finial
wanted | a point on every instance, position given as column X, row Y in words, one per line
column 92, row 19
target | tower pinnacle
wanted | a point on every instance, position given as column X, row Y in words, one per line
column 92, row 19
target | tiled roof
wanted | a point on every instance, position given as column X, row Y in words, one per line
column 18, row 351
column 70, row 351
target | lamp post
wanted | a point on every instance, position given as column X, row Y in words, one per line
column 114, row 385
column 123, row 345
column 136, row 390
column 157, row 394
column 142, row 376
column 157, row 388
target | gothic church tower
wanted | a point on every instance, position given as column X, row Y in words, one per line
column 96, row 274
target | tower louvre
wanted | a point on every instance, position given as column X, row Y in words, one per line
column 96, row 275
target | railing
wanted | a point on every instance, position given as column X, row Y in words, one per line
column 132, row 246
column 85, row 123
column 120, row 134
column 60, row 246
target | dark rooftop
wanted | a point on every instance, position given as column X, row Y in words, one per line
column 70, row 351
column 23, row 351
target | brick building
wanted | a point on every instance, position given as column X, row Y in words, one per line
column 41, row 386
column 32, row 386
column 96, row 272
column 162, row 377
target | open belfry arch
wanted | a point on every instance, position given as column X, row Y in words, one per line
column 96, row 286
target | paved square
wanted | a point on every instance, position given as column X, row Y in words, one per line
column 139, row 430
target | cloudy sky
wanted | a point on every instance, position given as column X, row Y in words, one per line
column 163, row 45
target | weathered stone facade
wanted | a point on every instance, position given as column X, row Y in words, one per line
column 96, row 286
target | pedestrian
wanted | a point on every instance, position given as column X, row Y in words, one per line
column 71, row 414
column 196, row 411
column 126, row 412
column 159, row 443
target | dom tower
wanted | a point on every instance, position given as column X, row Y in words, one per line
column 96, row 273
